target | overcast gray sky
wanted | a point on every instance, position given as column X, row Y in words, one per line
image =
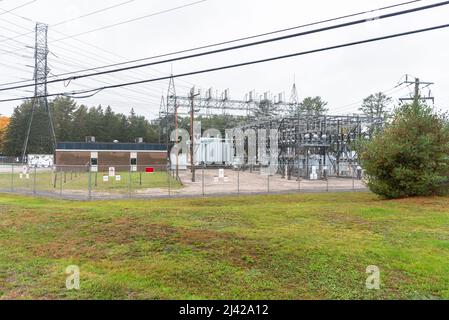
column 342, row 77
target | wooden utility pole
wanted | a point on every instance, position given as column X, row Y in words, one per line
column 177, row 141
column 416, row 97
column 192, row 137
column 417, row 92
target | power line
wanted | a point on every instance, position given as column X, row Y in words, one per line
column 92, row 13
column 18, row 7
column 14, row 53
column 348, row 107
column 68, row 20
column 386, row 92
column 13, row 67
column 145, row 95
column 253, row 62
column 11, row 30
column 72, row 62
column 83, row 53
column 96, row 57
column 246, row 38
column 352, row 23
column 112, row 53
column 133, row 20
column 396, row 5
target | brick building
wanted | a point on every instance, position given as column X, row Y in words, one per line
column 100, row 157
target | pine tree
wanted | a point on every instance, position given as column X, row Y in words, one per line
column 376, row 105
column 411, row 156
column 313, row 106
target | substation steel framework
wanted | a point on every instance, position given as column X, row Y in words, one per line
column 210, row 104
column 323, row 141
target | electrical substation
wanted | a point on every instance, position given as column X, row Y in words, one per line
column 310, row 146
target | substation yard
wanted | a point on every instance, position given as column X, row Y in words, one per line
column 246, row 183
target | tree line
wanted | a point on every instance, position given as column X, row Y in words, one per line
column 72, row 123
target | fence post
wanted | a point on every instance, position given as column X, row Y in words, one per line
column 203, row 187
column 12, row 177
column 60, row 186
column 238, row 180
column 129, row 183
column 89, row 181
column 268, row 182
column 299, row 178
column 353, row 180
column 169, row 180
column 55, row 178
column 34, row 181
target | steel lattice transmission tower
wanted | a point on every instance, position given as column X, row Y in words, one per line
column 171, row 111
column 41, row 72
column 294, row 99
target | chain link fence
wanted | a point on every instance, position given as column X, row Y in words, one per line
column 159, row 181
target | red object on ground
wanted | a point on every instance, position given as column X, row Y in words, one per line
column 149, row 170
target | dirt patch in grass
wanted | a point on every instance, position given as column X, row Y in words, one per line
column 435, row 203
column 100, row 239
column 346, row 220
column 69, row 249
column 221, row 245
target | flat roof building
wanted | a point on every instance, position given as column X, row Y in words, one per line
column 102, row 156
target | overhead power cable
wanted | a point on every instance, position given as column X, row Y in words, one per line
column 240, row 39
column 23, row 45
column 132, row 20
column 290, row 36
column 64, row 21
column 28, row 34
column 92, row 13
column 236, row 40
column 18, row 7
column 104, row 27
column 253, row 62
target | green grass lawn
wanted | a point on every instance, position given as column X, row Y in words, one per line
column 259, row 247
column 47, row 181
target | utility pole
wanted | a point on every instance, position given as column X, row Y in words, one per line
column 41, row 71
column 416, row 96
column 192, row 137
column 177, row 140
column 419, row 85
